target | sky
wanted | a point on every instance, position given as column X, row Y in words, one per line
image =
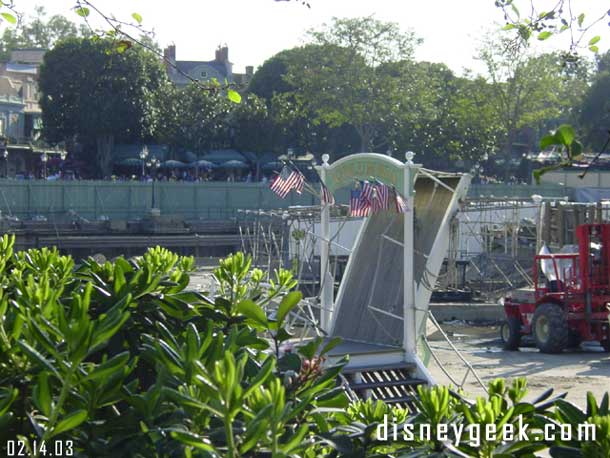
column 255, row 30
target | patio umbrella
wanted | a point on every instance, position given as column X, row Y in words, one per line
column 131, row 162
column 171, row 164
column 273, row 165
column 221, row 156
column 203, row 164
column 235, row 164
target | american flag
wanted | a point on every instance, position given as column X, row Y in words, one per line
column 383, row 196
column 378, row 195
column 375, row 202
column 399, row 202
column 358, row 205
column 327, row 196
column 368, row 190
column 286, row 181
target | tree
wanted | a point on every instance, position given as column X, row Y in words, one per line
column 110, row 97
column 193, row 119
column 293, row 123
column 251, row 125
column 341, row 80
column 527, row 90
column 443, row 117
column 39, row 32
column 595, row 107
column 269, row 78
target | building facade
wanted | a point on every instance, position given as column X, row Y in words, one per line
column 181, row 72
column 20, row 114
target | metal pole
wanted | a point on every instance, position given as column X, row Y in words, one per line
column 153, row 192
column 538, row 200
column 326, row 280
column 409, row 322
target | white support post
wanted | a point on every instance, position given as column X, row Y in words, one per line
column 326, row 279
column 409, row 322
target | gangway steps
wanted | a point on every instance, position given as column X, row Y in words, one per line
column 393, row 384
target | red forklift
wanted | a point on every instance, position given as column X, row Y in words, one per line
column 569, row 302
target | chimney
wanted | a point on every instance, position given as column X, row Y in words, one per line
column 169, row 57
column 222, row 54
column 249, row 70
column 170, row 53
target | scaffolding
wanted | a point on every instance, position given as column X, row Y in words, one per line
column 493, row 242
column 289, row 238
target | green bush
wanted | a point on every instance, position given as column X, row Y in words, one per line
column 123, row 361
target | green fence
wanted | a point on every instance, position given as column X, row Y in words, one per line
column 519, row 191
column 209, row 200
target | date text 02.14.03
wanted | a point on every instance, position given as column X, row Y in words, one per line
column 58, row 448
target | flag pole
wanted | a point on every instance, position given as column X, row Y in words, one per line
column 307, row 186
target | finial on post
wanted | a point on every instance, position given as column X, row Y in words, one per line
column 409, row 155
column 325, row 159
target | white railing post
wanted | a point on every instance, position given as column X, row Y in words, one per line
column 326, row 278
column 409, row 322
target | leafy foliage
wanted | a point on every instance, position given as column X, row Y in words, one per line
column 39, row 31
column 595, row 107
column 341, row 80
column 561, row 18
column 564, row 138
column 110, row 97
column 121, row 359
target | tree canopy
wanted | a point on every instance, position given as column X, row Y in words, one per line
column 354, row 86
column 39, row 32
column 341, row 80
column 110, row 97
column 595, row 107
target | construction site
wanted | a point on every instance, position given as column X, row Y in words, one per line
column 416, row 297
column 491, row 247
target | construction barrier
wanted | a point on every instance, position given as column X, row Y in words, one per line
column 202, row 200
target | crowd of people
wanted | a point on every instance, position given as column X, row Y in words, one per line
column 188, row 175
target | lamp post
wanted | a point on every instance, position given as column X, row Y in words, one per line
column 143, row 156
column 62, row 153
column 477, row 171
column 153, row 165
column 5, row 156
column 4, row 152
column 44, row 158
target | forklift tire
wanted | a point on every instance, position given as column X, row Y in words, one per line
column 510, row 332
column 550, row 328
column 574, row 339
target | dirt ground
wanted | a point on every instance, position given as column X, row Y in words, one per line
column 575, row 372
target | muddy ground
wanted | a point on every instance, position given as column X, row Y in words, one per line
column 575, row 372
